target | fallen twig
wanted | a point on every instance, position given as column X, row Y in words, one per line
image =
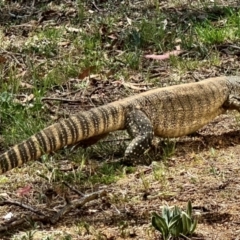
column 77, row 204
column 60, row 99
column 22, row 205
column 70, row 205
column 74, row 189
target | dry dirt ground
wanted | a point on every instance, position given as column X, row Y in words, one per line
column 203, row 168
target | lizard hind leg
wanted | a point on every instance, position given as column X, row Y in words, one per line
column 140, row 129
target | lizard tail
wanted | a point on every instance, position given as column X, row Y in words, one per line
column 67, row 132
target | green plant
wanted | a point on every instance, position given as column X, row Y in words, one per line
column 29, row 235
column 17, row 118
column 174, row 222
column 169, row 148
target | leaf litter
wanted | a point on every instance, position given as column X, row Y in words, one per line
column 203, row 168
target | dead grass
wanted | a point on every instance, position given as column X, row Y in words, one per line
column 60, row 57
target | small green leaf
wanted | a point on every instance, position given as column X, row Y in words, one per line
column 166, row 214
column 193, row 226
column 176, row 211
column 177, row 229
column 173, row 221
column 159, row 223
column 189, row 209
column 187, row 223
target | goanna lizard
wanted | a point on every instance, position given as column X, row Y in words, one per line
column 165, row 112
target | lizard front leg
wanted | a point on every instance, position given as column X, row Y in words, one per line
column 140, row 129
column 232, row 103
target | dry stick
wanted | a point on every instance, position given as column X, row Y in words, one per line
column 235, row 46
column 185, row 237
column 71, row 93
column 65, row 100
column 95, row 5
column 49, row 219
column 13, row 56
column 22, row 205
column 77, row 204
column 21, row 221
column 74, row 189
column 56, row 111
column 60, row 99
column 94, row 90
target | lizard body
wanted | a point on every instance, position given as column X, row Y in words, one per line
column 165, row 112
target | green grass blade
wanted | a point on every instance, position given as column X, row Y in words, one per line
column 193, row 226
column 159, row 223
column 189, row 209
column 173, row 221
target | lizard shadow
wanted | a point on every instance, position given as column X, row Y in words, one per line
column 166, row 148
column 201, row 142
column 196, row 143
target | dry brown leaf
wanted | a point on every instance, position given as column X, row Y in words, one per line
column 72, row 30
column 2, row 59
column 25, row 191
column 28, row 98
column 63, row 43
column 112, row 36
column 86, row 72
column 178, row 47
column 103, row 30
column 163, row 56
column 133, row 86
column 97, row 77
column 24, row 99
column 129, row 21
column 109, row 73
column 26, row 85
column 21, row 74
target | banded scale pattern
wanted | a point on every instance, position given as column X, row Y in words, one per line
column 190, row 107
column 166, row 112
column 67, row 132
